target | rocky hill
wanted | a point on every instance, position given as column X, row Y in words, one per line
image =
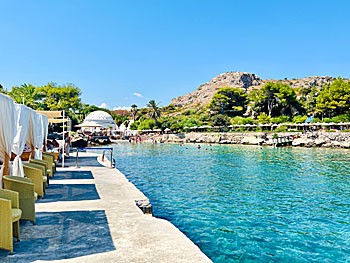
column 242, row 80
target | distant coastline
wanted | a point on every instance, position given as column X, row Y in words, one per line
column 315, row 139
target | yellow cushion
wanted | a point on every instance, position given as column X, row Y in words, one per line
column 16, row 214
column 35, row 195
column 45, row 178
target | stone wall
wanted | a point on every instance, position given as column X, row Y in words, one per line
column 315, row 139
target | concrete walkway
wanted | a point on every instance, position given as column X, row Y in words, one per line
column 89, row 215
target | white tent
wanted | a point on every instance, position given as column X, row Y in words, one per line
column 22, row 125
column 32, row 131
column 44, row 123
column 7, row 132
column 88, row 124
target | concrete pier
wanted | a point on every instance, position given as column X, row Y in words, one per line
column 89, row 215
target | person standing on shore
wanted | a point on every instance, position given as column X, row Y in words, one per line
column 67, row 146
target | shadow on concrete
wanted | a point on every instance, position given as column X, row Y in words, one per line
column 60, row 175
column 62, row 235
column 82, row 161
column 70, row 192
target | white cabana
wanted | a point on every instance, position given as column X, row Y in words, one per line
column 88, row 124
column 22, row 118
column 36, row 134
column 45, row 130
column 7, row 132
column 32, row 131
column 42, row 122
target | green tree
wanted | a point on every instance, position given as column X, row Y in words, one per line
column 154, row 111
column 299, row 119
column 2, row 90
column 230, row 101
column 308, row 98
column 169, row 109
column 335, row 98
column 119, row 119
column 31, row 95
column 275, row 99
column 264, row 118
column 247, row 120
column 134, row 111
column 61, row 97
column 147, row 124
column 280, row 119
column 134, row 125
column 220, row 120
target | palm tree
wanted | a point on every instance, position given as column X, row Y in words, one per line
column 154, row 112
column 134, row 111
column 28, row 93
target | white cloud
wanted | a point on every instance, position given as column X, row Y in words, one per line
column 122, row 108
column 103, row 105
column 138, row 95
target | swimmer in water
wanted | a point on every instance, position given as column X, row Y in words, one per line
column 198, row 146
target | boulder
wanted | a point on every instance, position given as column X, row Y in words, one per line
column 79, row 142
column 252, row 140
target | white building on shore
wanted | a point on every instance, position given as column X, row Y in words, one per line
column 102, row 118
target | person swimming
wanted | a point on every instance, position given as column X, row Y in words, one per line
column 198, row 146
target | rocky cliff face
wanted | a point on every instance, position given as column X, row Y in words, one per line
column 205, row 92
column 242, row 80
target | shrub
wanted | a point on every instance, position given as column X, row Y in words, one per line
column 220, row 120
column 341, row 118
column 247, row 120
column 147, row 124
column 264, row 118
column 190, row 122
column 189, row 112
column 299, row 119
column 134, row 125
column 237, row 120
column 280, row 119
column 204, row 118
column 175, row 126
column 281, row 129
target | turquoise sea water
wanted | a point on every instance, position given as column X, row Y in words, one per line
column 246, row 203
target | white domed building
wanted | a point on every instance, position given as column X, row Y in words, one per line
column 102, row 118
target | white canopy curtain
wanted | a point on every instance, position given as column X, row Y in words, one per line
column 33, row 129
column 22, row 123
column 40, row 129
column 45, row 128
column 7, row 131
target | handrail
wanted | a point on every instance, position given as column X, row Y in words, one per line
column 91, row 148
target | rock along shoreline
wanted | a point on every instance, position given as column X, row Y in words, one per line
column 310, row 139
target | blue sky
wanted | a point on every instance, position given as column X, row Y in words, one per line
column 125, row 52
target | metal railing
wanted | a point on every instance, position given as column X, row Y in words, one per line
column 103, row 154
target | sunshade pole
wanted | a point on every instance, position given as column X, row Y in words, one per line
column 63, row 141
